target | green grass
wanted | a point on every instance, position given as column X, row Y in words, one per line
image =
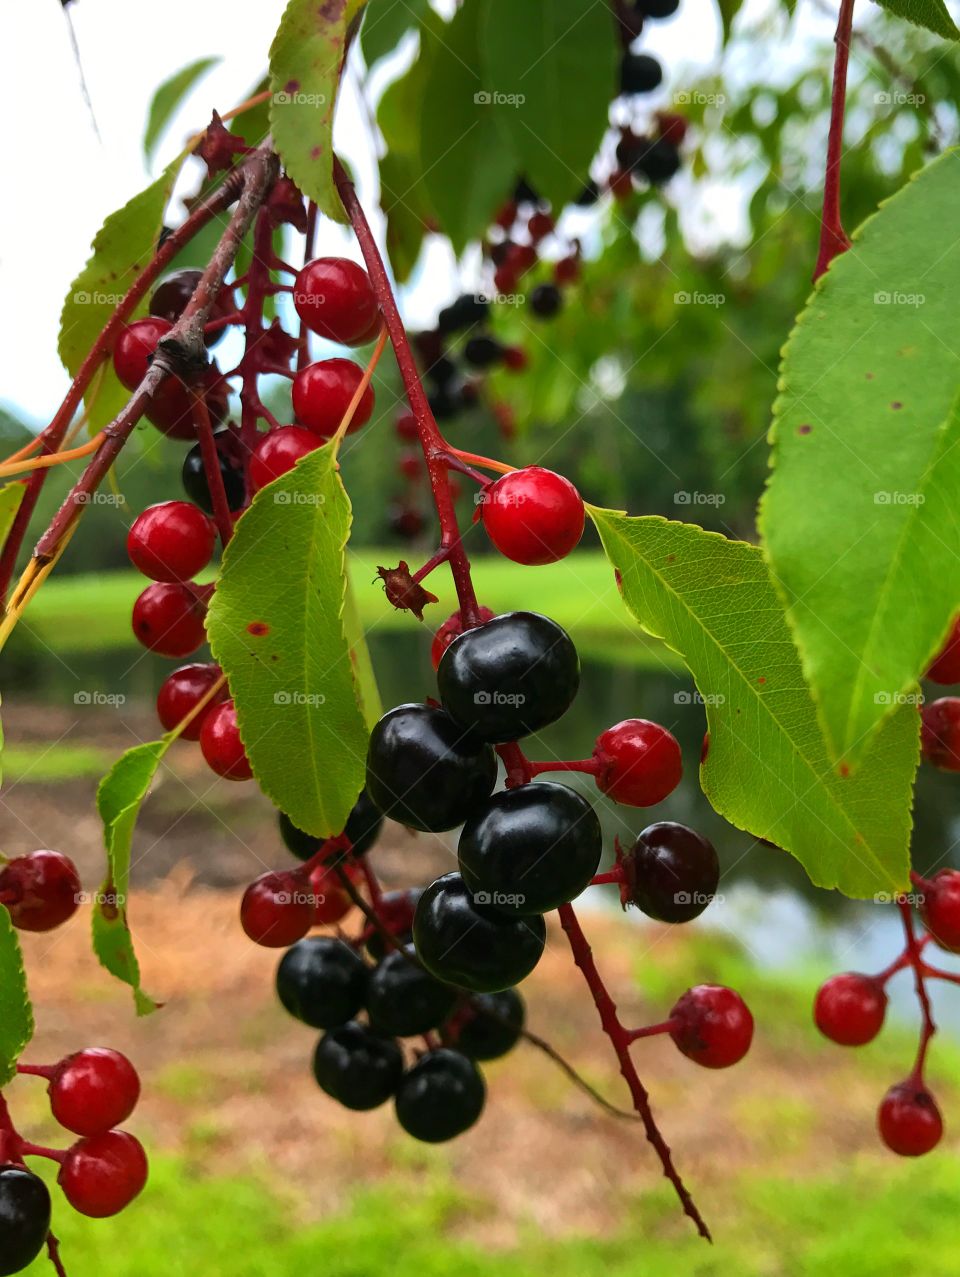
column 43, row 764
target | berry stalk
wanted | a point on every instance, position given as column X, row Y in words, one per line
column 833, row 238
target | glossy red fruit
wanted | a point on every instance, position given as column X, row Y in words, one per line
column 940, row 908
column 278, row 452
column 277, row 908
column 452, row 628
column 40, row 890
column 850, row 1008
column 639, row 762
column 946, row 666
column 101, row 1174
column 134, row 349
column 533, row 515
column 714, row 1026
column 331, row 899
column 94, row 1091
column 519, row 259
column 322, row 393
column 539, row 226
column 940, row 733
column 168, row 617
column 406, row 426
column 335, row 299
column 909, row 1120
column 221, row 745
column 172, row 541
column 180, row 692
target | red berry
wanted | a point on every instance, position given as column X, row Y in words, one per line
column 179, row 694
column 278, row 452
column 946, row 666
column 406, row 426
column 334, row 298
column 519, row 259
column 533, row 515
column 102, row 1174
column 172, row 541
column 221, row 745
column 672, row 128
column 505, row 279
column 849, row 1008
column 277, row 908
column 452, row 628
column 909, row 1120
column 940, row 908
column 322, row 394
column 135, row 347
column 567, row 270
column 640, row 762
column 331, row 900
column 94, row 1091
column 515, row 358
column 539, row 226
column 410, row 464
column 41, row 890
column 406, row 522
column 506, row 216
column 168, row 617
column 940, row 733
column 621, row 184
column 714, row 1026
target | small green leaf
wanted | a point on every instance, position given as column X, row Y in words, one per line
column 766, row 770
column 276, row 625
column 121, row 248
column 549, row 72
column 931, row 14
column 860, row 518
column 167, row 99
column 305, row 61
column 119, row 797
column 11, row 494
column 386, row 22
column 728, row 11
column 16, row 1013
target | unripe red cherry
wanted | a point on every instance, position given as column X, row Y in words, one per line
column 168, row 617
column 221, row 745
column 278, row 452
column 101, row 1174
column 40, row 890
column 452, row 628
column 179, row 694
column 713, row 1027
column 93, row 1091
column 639, row 762
column 946, row 664
column 909, row 1120
column 335, row 299
column 322, row 393
column 135, row 347
column 406, row 426
column 277, row 908
column 172, row 541
column 533, row 515
column 940, row 908
column 850, row 1008
column 940, row 733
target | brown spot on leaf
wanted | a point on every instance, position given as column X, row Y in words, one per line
column 896, row 405
column 762, row 679
column 292, row 86
column 671, row 558
column 258, row 628
column 844, row 770
column 804, row 429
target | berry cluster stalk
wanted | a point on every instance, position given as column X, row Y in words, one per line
column 833, row 238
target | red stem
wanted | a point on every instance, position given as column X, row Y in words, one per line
column 309, row 241
column 833, row 238
column 37, row 1070
column 914, row 954
column 614, row 875
column 53, row 1254
column 39, row 1150
column 211, row 468
column 666, row 1026
column 258, row 282
column 590, row 766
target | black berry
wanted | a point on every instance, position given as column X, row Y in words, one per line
column 657, row 8
column 483, row 352
column 510, row 676
column 462, row 313
column 490, row 1025
column 658, row 161
column 425, row 770
column 639, row 73
column 24, row 1218
column 362, row 828
column 589, row 195
column 546, row 300
column 357, row 1066
column 404, row 999
column 470, row 945
column 440, row 1097
column 322, row 981
column 672, row 872
column 194, row 477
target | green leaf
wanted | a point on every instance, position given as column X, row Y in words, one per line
column 276, row 625
column 119, row 797
column 16, row 1013
column 168, row 98
column 121, row 248
column 767, row 770
column 728, row 11
column 931, row 14
column 305, row 61
column 386, row 22
column 468, row 170
column 402, row 200
column 549, row 70
column 11, row 494
column 860, row 518
column 368, row 692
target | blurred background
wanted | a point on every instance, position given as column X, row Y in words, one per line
column 653, row 394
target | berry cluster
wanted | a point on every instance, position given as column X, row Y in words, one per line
column 91, row 1093
column 940, row 719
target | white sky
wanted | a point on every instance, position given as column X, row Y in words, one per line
column 61, row 180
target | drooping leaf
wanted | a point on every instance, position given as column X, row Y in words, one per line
column 549, row 73
column 16, row 1013
column 119, row 797
column 121, row 248
column 386, row 22
column 767, row 770
column 305, row 61
column 860, row 518
column 468, row 169
column 408, row 217
column 168, row 98
column 276, row 626
column 932, row 14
